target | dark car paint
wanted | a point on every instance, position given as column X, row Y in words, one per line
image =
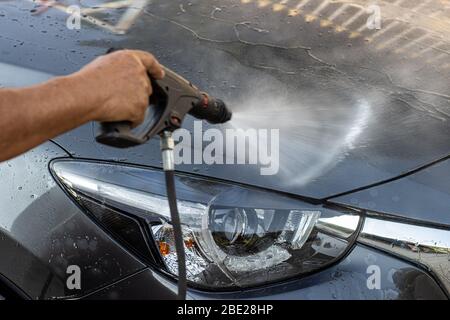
column 42, row 232
column 42, row 212
column 399, row 136
column 422, row 196
column 45, row 232
column 346, row 280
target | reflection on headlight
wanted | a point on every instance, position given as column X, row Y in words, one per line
column 427, row 246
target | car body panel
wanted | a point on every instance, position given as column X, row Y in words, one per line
column 423, row 196
column 346, row 280
column 50, row 232
column 343, row 124
column 42, row 233
column 145, row 285
column 350, row 115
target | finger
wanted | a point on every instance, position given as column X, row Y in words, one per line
column 137, row 121
column 150, row 63
column 148, row 86
column 135, row 124
column 140, row 110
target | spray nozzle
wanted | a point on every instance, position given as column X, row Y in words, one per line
column 212, row 110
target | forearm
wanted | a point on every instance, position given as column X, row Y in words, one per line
column 114, row 87
column 33, row 115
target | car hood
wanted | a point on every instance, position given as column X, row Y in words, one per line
column 349, row 113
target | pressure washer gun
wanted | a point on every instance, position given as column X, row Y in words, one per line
column 173, row 97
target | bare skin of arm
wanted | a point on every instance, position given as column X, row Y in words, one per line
column 114, row 87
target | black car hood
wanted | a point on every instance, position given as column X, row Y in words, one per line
column 349, row 114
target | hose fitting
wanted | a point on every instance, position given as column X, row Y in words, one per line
column 167, row 146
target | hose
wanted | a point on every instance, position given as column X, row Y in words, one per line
column 178, row 233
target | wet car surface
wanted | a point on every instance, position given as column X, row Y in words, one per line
column 349, row 93
column 355, row 107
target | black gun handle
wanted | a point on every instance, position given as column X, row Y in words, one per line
column 118, row 134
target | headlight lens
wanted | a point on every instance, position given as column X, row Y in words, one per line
column 234, row 236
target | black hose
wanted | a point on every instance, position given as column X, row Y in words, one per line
column 178, row 233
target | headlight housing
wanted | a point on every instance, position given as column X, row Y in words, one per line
column 234, row 236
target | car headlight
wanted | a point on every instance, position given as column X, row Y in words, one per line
column 234, row 236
